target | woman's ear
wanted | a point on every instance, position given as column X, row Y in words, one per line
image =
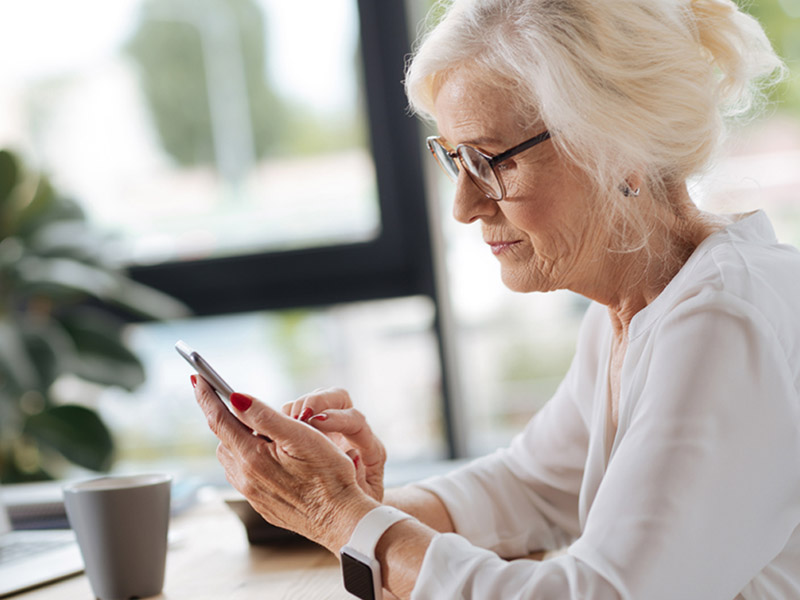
column 631, row 187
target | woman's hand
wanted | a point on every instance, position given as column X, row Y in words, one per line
column 331, row 412
column 299, row 480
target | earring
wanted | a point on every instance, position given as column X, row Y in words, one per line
column 627, row 191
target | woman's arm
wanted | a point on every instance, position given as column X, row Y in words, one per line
column 423, row 505
column 400, row 551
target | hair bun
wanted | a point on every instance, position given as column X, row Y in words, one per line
column 736, row 45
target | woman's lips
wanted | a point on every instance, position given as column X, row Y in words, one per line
column 499, row 247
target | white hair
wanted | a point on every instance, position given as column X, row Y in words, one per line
column 624, row 86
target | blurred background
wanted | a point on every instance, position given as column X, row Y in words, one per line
column 244, row 175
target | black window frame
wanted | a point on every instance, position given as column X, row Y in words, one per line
column 399, row 262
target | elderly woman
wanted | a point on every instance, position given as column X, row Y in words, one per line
column 668, row 461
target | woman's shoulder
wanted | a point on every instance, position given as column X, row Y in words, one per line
column 748, row 259
column 742, row 265
column 742, row 275
column 749, row 265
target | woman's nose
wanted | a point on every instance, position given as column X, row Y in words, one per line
column 470, row 203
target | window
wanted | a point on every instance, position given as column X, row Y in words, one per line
column 251, row 157
column 383, row 352
column 244, row 152
column 198, row 130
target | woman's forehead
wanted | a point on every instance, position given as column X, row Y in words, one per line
column 469, row 110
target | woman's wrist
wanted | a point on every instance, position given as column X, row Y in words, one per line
column 343, row 520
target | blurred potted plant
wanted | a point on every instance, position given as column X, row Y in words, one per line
column 62, row 313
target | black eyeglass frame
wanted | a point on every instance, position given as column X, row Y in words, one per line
column 492, row 161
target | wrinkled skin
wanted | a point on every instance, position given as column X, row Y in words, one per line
column 301, row 480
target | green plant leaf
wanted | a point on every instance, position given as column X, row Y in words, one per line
column 17, row 370
column 72, row 239
column 30, row 200
column 46, row 206
column 76, row 432
column 48, row 345
column 100, row 353
column 11, row 471
column 147, row 302
column 8, row 180
column 52, row 264
column 60, row 281
column 59, row 277
column 8, row 176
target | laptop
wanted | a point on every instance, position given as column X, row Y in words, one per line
column 32, row 558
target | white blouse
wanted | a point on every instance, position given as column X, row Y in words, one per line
column 696, row 496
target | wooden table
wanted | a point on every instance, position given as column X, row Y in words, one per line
column 210, row 559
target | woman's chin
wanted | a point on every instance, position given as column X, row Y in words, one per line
column 522, row 283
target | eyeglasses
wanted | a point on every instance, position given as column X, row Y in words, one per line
column 479, row 166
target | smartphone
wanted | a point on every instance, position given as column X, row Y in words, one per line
column 208, row 373
column 205, row 370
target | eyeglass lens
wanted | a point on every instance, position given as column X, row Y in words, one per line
column 444, row 159
column 480, row 171
column 476, row 165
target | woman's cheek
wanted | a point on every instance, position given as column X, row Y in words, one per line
column 527, row 213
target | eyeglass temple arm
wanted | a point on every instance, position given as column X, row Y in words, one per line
column 519, row 148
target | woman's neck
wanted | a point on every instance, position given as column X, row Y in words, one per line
column 630, row 280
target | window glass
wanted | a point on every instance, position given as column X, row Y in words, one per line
column 194, row 129
column 383, row 352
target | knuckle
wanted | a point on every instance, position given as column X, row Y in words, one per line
column 262, row 447
column 344, row 396
column 314, row 396
column 299, row 404
column 359, row 416
column 267, row 417
column 332, row 397
column 215, row 421
column 247, row 487
column 222, row 453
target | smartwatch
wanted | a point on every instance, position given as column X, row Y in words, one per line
column 360, row 570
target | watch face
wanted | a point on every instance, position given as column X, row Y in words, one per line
column 357, row 577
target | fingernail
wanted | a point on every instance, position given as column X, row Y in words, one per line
column 307, row 412
column 356, row 458
column 319, row 417
column 194, row 380
column 240, row 401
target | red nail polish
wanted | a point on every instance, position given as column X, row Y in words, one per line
column 240, row 401
column 194, row 380
column 356, row 460
column 319, row 417
column 307, row 412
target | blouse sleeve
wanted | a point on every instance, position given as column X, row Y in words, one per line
column 699, row 494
